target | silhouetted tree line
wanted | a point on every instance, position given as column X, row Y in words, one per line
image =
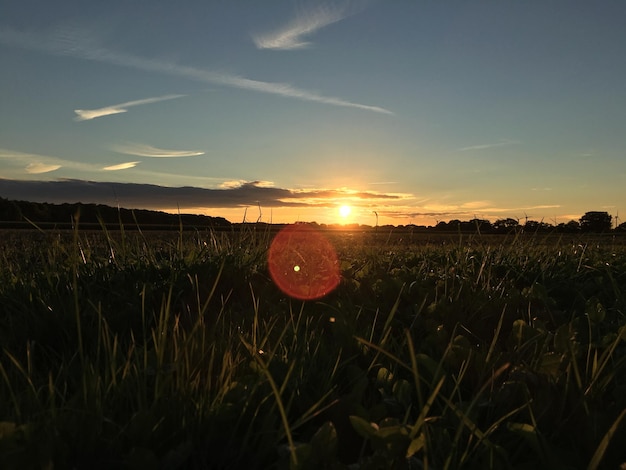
column 591, row 222
column 17, row 213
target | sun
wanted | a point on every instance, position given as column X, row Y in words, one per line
column 344, row 211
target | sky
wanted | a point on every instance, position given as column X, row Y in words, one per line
column 405, row 112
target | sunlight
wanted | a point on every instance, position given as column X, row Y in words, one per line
column 344, row 211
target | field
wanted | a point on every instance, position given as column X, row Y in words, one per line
column 123, row 349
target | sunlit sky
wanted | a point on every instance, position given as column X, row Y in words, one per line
column 286, row 110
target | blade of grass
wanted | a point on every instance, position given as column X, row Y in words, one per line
column 598, row 455
column 277, row 397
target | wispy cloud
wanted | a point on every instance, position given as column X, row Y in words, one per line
column 121, row 166
column 307, row 22
column 475, row 204
column 87, row 114
column 545, row 206
column 232, row 184
column 68, row 45
column 37, row 168
column 502, row 143
column 33, row 163
column 142, row 150
column 14, row 165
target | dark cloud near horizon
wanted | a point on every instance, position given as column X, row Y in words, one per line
column 150, row 196
column 405, row 214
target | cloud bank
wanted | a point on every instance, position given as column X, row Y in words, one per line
column 149, row 196
column 77, row 47
column 88, row 114
column 238, row 195
column 307, row 22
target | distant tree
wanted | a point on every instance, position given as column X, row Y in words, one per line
column 480, row 225
column 505, row 225
column 534, row 226
column 455, row 224
column 596, row 221
column 621, row 227
column 467, row 226
column 9, row 211
column 570, row 227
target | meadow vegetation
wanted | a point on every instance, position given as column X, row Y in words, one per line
column 176, row 350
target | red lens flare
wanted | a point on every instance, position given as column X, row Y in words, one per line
column 303, row 263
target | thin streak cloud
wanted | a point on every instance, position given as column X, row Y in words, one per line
column 88, row 114
column 290, row 37
column 121, row 166
column 142, row 150
column 502, row 143
column 76, row 47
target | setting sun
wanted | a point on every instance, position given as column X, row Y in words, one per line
column 344, row 211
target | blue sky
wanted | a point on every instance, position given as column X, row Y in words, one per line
column 418, row 111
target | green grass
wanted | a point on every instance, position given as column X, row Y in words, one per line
column 130, row 350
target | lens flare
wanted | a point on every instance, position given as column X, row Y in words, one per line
column 303, row 263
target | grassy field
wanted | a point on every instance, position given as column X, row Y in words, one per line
column 176, row 351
